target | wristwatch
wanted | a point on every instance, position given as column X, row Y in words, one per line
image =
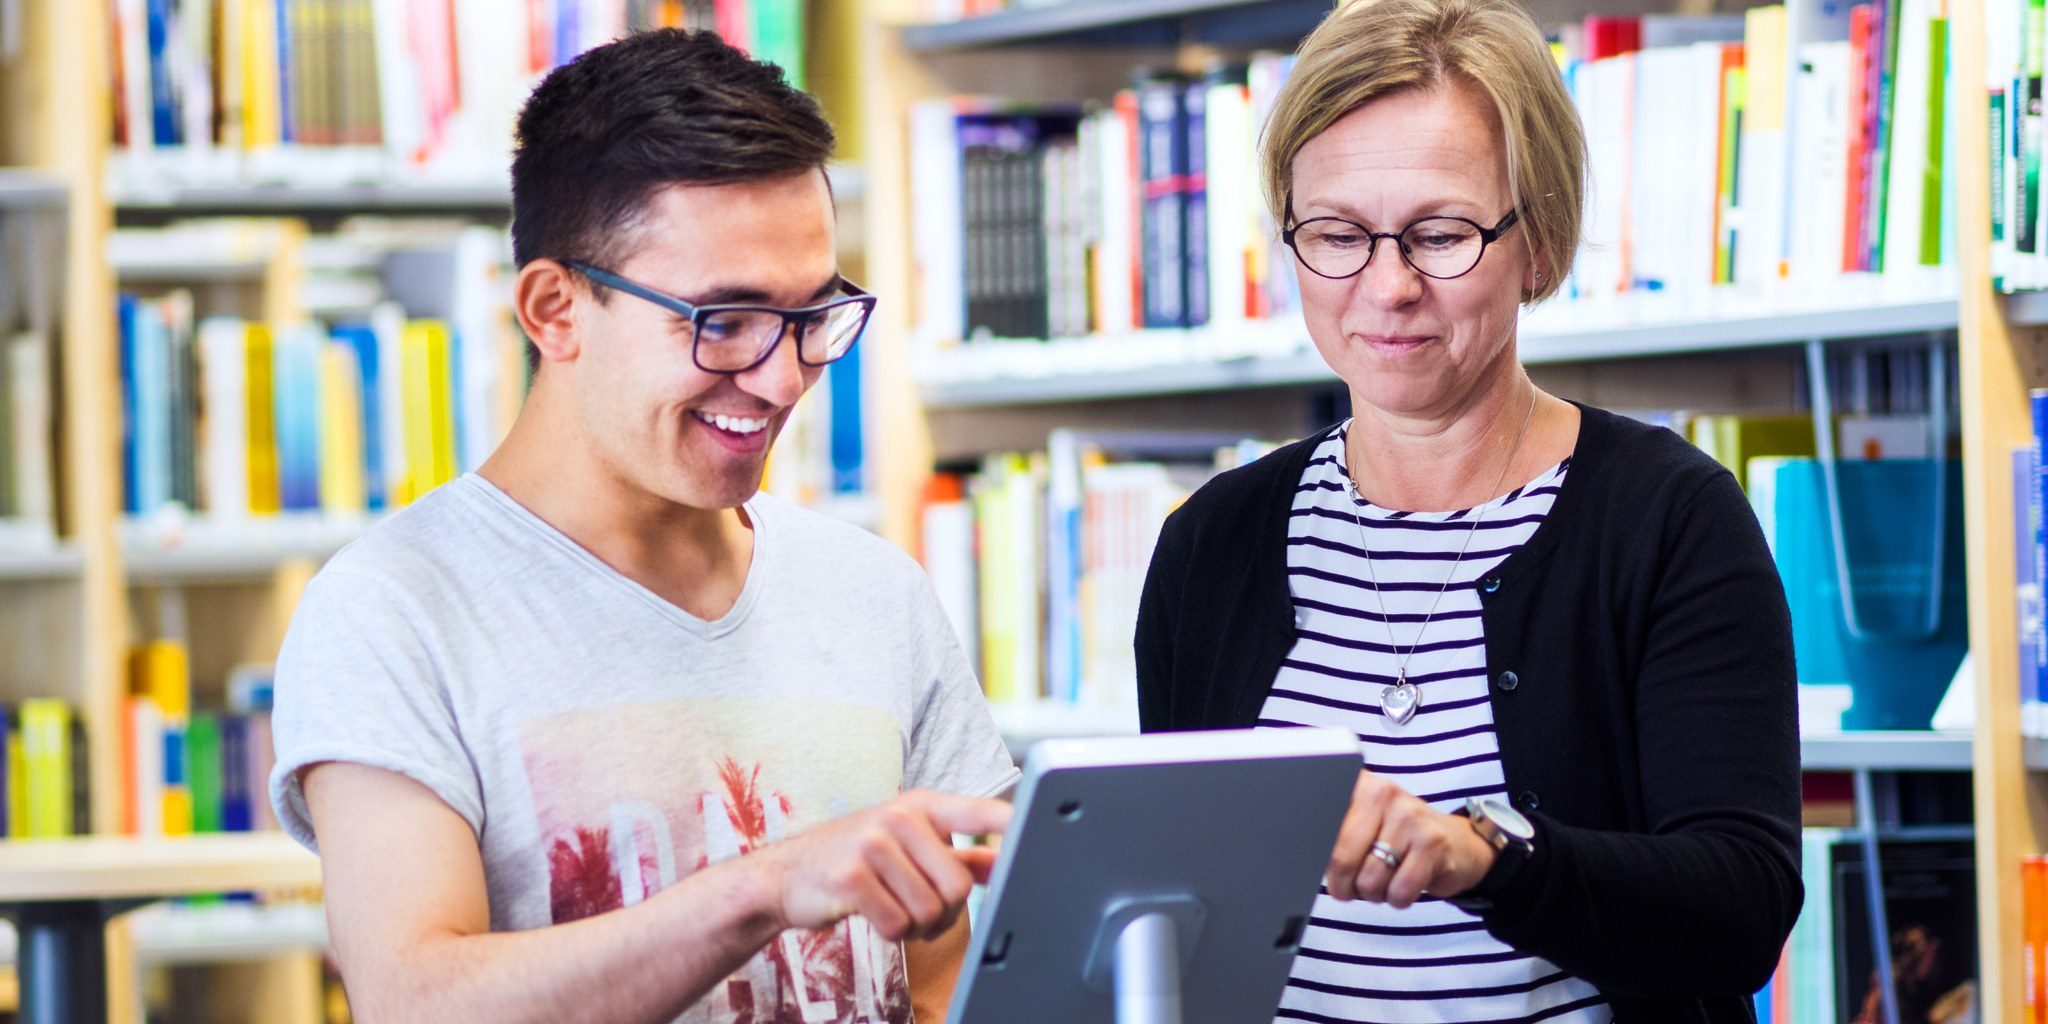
column 1510, row 834
column 1501, row 826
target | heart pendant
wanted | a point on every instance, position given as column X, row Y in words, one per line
column 1399, row 701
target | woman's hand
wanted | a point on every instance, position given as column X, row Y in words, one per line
column 1437, row 853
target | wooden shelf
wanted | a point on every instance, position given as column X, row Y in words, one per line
column 1123, row 22
column 203, row 551
column 1278, row 352
column 56, row 563
column 100, row 867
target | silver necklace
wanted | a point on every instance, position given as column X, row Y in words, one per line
column 1400, row 701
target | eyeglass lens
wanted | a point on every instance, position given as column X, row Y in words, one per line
column 1440, row 247
column 735, row 339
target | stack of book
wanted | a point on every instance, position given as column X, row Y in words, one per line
column 185, row 770
column 1061, row 221
column 2014, row 68
column 219, row 91
column 1828, row 972
column 1040, row 558
column 44, row 771
column 231, row 419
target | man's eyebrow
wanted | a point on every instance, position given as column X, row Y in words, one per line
column 748, row 295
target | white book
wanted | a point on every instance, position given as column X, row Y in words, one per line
column 1820, row 161
column 1114, row 258
column 195, row 73
column 1763, row 159
column 31, row 433
column 490, row 45
column 1699, row 195
column 1232, row 199
column 224, row 429
column 146, row 731
column 1908, row 161
column 936, row 228
column 398, row 89
column 949, row 561
column 1659, row 77
column 132, row 50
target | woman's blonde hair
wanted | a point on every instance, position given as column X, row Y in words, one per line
column 1366, row 49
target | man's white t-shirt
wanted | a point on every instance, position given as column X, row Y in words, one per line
column 604, row 743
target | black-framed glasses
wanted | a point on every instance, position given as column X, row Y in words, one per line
column 1438, row 247
column 736, row 337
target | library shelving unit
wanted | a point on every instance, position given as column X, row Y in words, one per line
column 69, row 612
column 950, row 406
column 64, row 609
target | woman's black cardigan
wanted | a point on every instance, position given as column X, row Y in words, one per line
column 1641, row 654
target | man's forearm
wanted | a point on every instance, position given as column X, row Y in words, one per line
column 645, row 963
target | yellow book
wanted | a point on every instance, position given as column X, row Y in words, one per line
column 46, row 768
column 17, row 787
column 265, row 493
column 429, row 408
column 162, row 674
column 342, row 488
column 262, row 124
column 1734, row 440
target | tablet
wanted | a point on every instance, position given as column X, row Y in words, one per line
column 1157, row 878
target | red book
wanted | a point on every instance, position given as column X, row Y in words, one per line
column 1612, row 36
column 1127, row 117
column 732, row 22
column 1854, row 225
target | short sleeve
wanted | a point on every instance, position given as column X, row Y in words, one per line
column 954, row 745
column 358, row 682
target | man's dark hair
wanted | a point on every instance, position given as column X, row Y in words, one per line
column 605, row 132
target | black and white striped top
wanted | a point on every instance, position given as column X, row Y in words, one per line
column 1366, row 962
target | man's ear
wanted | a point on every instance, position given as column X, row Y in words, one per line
column 545, row 298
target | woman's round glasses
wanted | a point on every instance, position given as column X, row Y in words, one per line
column 1437, row 247
column 734, row 338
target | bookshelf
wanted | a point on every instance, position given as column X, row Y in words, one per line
column 74, row 610
column 967, row 400
column 1275, row 354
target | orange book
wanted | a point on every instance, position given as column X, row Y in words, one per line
column 2034, row 936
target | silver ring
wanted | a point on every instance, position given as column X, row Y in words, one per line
column 1386, row 856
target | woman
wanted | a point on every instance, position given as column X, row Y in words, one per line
column 1558, row 633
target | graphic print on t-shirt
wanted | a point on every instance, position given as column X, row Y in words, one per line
column 631, row 797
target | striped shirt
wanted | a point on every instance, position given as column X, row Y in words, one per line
column 1367, row 962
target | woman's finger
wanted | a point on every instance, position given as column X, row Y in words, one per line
column 1354, row 838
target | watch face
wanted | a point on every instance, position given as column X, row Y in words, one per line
column 1507, row 819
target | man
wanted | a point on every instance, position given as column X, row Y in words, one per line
column 536, row 719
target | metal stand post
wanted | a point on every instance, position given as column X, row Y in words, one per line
column 63, row 959
column 1147, row 971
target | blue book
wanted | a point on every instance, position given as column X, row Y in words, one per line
column 1195, row 208
column 237, row 806
column 7, row 779
column 568, row 31
column 296, row 360
column 363, row 341
column 149, row 353
column 1162, row 211
column 286, row 130
column 2026, row 534
column 1064, row 503
column 163, row 102
column 128, row 311
column 848, row 428
column 2036, row 494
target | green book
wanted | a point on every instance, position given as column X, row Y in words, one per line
column 778, row 36
column 1931, row 199
column 1734, row 440
column 202, row 770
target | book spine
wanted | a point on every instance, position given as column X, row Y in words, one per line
column 237, row 786
column 1195, row 210
column 46, row 765
column 203, row 771
column 1163, row 160
column 1855, row 234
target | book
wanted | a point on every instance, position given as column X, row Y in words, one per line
column 1930, row 902
column 44, row 728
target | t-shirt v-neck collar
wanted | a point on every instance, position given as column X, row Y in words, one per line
column 499, row 502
